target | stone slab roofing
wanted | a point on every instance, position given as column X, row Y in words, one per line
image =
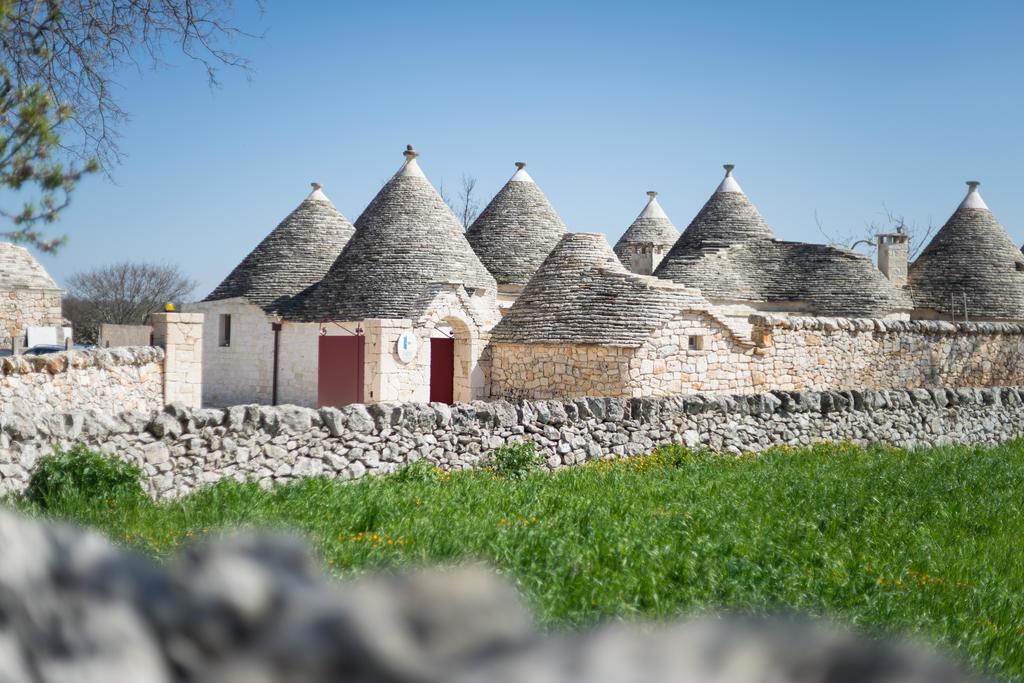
column 20, row 270
column 296, row 254
column 972, row 256
column 516, row 231
column 582, row 294
column 652, row 226
column 727, row 218
column 406, row 240
column 729, row 253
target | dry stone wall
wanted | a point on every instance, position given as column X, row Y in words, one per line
column 23, row 307
column 694, row 353
column 243, row 608
column 101, row 380
column 181, row 449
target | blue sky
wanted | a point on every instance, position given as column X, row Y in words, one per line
column 824, row 107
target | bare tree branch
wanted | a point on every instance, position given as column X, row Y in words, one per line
column 890, row 222
column 74, row 47
column 465, row 206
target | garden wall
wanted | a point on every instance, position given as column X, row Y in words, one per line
column 181, row 449
column 108, row 380
column 695, row 352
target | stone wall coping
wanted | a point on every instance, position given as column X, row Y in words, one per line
column 944, row 327
column 176, row 420
column 55, row 363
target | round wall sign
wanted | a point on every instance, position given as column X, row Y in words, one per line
column 406, row 346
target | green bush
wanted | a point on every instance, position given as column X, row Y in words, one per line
column 515, row 461
column 421, row 471
column 83, row 475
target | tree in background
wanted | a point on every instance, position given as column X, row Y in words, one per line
column 891, row 221
column 122, row 293
column 466, row 207
column 58, row 115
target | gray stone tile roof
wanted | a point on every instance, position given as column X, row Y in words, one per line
column 295, row 255
column 729, row 253
column 406, row 240
column 727, row 218
column 516, row 231
column 583, row 295
column 652, row 226
column 20, row 270
column 971, row 254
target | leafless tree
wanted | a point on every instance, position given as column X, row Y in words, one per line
column 122, row 293
column 74, row 48
column 887, row 222
column 465, row 206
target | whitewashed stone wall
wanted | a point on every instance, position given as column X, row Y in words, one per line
column 181, row 449
column 789, row 354
column 449, row 310
column 243, row 371
column 23, row 308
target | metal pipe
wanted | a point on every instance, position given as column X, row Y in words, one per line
column 276, row 327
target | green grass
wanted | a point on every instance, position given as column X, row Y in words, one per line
column 927, row 543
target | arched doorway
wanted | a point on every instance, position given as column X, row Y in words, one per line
column 450, row 362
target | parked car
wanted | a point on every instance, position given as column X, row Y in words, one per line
column 43, row 349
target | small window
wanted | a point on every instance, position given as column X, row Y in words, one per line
column 1020, row 267
column 695, row 342
column 225, row 330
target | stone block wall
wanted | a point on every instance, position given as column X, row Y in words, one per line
column 814, row 353
column 788, row 354
column 103, row 380
column 181, row 449
column 242, row 371
column 22, row 308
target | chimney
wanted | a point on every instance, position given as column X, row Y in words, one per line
column 893, row 254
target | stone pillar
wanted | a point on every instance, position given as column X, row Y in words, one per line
column 181, row 337
column 893, row 254
column 386, row 376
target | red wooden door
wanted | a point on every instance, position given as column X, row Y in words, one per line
column 340, row 373
column 442, row 370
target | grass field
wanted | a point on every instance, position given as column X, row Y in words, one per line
column 927, row 543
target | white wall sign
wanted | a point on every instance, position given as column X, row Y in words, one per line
column 406, row 346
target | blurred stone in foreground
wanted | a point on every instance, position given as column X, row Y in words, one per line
column 256, row 609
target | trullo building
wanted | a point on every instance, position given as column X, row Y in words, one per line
column 732, row 256
column 241, row 328
column 586, row 326
column 403, row 313
column 29, row 299
column 646, row 241
column 514, row 233
column 971, row 268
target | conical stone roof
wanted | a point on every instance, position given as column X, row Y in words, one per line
column 516, row 231
column 295, row 255
column 406, row 240
column 729, row 253
column 970, row 255
column 582, row 294
column 652, row 226
column 20, row 270
column 727, row 218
